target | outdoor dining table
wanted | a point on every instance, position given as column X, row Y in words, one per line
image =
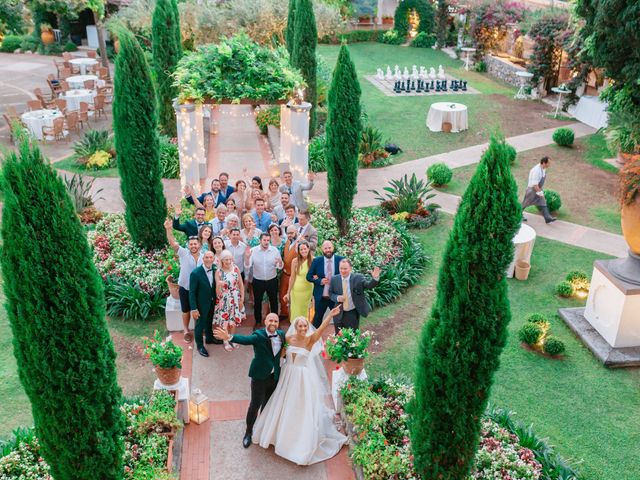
column 83, row 63
column 36, row 119
column 74, row 97
column 77, row 81
column 454, row 113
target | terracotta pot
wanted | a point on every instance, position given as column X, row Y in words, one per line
column 353, row 366
column 446, row 127
column 174, row 289
column 47, row 37
column 387, row 20
column 522, row 270
column 630, row 220
column 168, row 376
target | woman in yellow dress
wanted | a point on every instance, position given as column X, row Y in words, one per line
column 300, row 291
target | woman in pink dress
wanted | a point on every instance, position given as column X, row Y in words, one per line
column 229, row 310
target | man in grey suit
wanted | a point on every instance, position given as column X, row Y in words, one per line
column 295, row 189
column 348, row 289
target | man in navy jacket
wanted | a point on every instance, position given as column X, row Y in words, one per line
column 320, row 273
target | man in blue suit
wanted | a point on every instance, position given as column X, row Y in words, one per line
column 320, row 273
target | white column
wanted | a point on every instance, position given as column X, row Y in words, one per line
column 379, row 10
column 193, row 164
column 294, row 138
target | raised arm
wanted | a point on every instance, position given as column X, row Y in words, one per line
column 170, row 237
column 315, row 336
column 375, row 278
column 222, row 334
column 309, row 184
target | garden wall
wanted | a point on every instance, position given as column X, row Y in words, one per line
column 503, row 70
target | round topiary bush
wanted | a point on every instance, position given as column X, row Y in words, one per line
column 439, row 174
column 10, row 43
column 553, row 346
column 530, row 333
column 564, row 289
column 423, row 40
column 554, row 202
column 539, row 319
column 563, row 137
column 511, row 153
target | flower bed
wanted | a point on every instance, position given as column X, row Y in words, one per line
column 149, row 424
column 379, row 427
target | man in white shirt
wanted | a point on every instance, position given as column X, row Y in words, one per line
column 237, row 247
column 534, row 195
column 218, row 223
column 266, row 261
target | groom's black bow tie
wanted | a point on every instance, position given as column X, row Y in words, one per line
column 273, row 336
column 210, row 269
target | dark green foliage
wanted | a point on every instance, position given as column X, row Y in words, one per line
column 343, row 138
column 511, row 154
column 423, row 40
column 564, row 289
column 352, row 36
column 549, row 34
column 167, row 50
column 553, row 346
column 554, row 202
column 424, row 9
column 92, row 141
column 70, row 47
column 462, row 341
column 442, row 22
column 539, row 319
column 439, row 174
column 563, row 137
column 317, row 155
column 134, row 124
column 481, row 66
column 289, row 33
column 530, row 333
column 30, row 43
column 55, row 304
column 169, row 158
column 391, row 37
column 130, row 301
column 12, row 17
column 10, row 43
column 303, row 56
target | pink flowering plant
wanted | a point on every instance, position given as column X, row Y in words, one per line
column 162, row 352
column 348, row 343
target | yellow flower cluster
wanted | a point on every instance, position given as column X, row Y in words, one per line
column 400, row 216
column 99, row 160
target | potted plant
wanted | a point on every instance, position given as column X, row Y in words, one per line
column 387, row 20
column 46, row 34
column 349, row 347
column 165, row 356
column 630, row 203
column 172, row 271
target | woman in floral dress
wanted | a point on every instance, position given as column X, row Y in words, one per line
column 217, row 247
column 229, row 310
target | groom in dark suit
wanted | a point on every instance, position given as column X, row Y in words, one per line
column 190, row 227
column 348, row 289
column 265, row 367
column 320, row 272
column 202, row 288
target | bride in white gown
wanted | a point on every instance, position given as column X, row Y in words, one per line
column 297, row 420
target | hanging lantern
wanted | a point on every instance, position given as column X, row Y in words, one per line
column 198, row 407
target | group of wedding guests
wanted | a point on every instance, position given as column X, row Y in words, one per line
column 245, row 243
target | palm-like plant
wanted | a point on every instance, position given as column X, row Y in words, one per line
column 406, row 195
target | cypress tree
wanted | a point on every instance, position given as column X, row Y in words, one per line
column 304, row 54
column 136, row 138
column 289, row 33
column 343, row 138
column 442, row 22
column 167, row 50
column 55, row 305
column 462, row 341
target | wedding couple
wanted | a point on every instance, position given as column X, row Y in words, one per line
column 295, row 418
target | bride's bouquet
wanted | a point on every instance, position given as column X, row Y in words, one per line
column 348, row 344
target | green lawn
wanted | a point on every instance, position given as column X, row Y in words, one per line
column 588, row 412
column 587, row 188
column 69, row 164
column 402, row 119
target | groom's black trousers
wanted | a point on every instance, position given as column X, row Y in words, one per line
column 261, row 391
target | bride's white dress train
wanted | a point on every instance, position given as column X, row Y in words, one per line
column 296, row 420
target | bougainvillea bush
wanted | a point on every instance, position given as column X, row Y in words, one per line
column 488, row 24
column 378, row 422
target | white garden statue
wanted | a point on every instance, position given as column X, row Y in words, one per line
column 414, row 73
column 380, row 74
column 389, row 75
column 432, row 73
column 398, row 73
column 441, row 74
column 405, row 74
column 423, row 73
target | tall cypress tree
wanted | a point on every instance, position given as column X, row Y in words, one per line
column 167, row 50
column 55, row 304
column 135, row 127
column 289, row 33
column 442, row 22
column 304, row 54
column 343, row 138
column 462, row 341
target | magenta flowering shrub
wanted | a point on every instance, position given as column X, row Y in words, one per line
column 488, row 25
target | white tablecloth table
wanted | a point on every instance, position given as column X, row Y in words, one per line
column 454, row 113
column 36, row 119
column 83, row 63
column 74, row 97
column 77, row 81
column 523, row 241
column 591, row 110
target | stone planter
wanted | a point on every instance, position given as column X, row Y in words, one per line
column 630, row 220
column 174, row 289
column 387, row 20
column 353, row 366
column 168, row 376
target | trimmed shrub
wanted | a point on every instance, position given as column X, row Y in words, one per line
column 439, row 174
column 10, row 43
column 511, row 154
column 70, row 47
column 391, row 37
column 563, row 137
column 553, row 346
column 317, row 155
column 530, row 333
column 169, row 158
column 554, row 202
column 29, row 44
column 564, row 289
column 539, row 319
column 481, row 66
column 423, row 40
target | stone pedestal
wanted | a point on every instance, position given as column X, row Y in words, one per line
column 294, row 138
column 193, row 162
column 173, row 315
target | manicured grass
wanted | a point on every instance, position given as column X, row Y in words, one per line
column 403, row 119
column 597, row 151
column 587, row 189
column 588, row 412
column 69, row 164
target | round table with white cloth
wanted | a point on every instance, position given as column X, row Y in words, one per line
column 74, row 97
column 523, row 241
column 77, row 81
column 454, row 113
column 36, row 119
column 83, row 63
